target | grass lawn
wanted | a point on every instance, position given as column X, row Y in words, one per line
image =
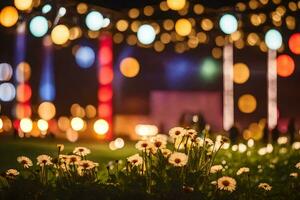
column 10, row 149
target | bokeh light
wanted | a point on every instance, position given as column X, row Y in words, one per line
column 42, row 125
column 60, row 34
column 101, row 127
column 176, row 4
column 7, row 92
column 77, row 124
column 106, row 22
column 146, row 130
column 122, row 25
column 273, row 39
column 23, row 4
column 91, row 111
column 119, row 143
column 26, row 125
column 82, row 8
column 183, row 27
column 22, row 110
column 63, row 123
column 46, row 8
column 38, row 26
column 72, row 135
column 247, row 103
column 94, row 20
column 241, row 73
column 129, row 67
column 9, row 16
column 1, row 123
column 285, row 65
column 85, row 56
column 23, row 92
column 5, row 72
column 294, row 43
column 228, row 24
column 46, row 110
column 146, row 34
column 256, row 131
column 23, row 72
column 209, row 69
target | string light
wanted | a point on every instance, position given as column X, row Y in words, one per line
column 228, row 24
column 146, row 34
column 38, row 26
column 9, row 16
column 60, row 34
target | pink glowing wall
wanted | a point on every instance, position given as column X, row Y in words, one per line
column 167, row 106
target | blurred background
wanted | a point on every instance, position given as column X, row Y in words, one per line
column 92, row 69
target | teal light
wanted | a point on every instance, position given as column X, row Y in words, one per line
column 209, row 69
column 146, row 34
column 38, row 26
column 273, row 39
column 94, row 20
column 46, row 8
column 228, row 24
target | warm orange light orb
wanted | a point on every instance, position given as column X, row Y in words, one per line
column 129, row 67
column 26, row 125
column 60, row 34
column 23, row 92
column 77, row 124
column 176, row 4
column 46, row 110
column 23, row 4
column 9, row 16
column 294, row 43
column 285, row 65
column 183, row 27
column 247, row 103
column 101, row 127
column 241, row 73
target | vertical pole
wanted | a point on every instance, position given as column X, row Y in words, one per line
column 47, row 85
column 228, row 101
column 22, row 74
column 272, row 89
column 105, row 78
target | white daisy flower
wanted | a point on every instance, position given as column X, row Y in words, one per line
column 297, row 165
column 265, row 186
column 177, row 132
column 166, row 152
column 213, row 182
column 226, row 183
column 199, row 142
column 63, row 158
column 11, row 173
column 86, row 164
column 159, row 142
column 191, row 133
column 215, row 168
column 135, row 160
column 73, row 159
column 209, row 142
column 143, row 145
column 81, row 151
column 178, row 159
column 43, row 160
column 60, row 147
column 296, row 145
column 242, row 170
column 25, row 161
column 294, row 174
